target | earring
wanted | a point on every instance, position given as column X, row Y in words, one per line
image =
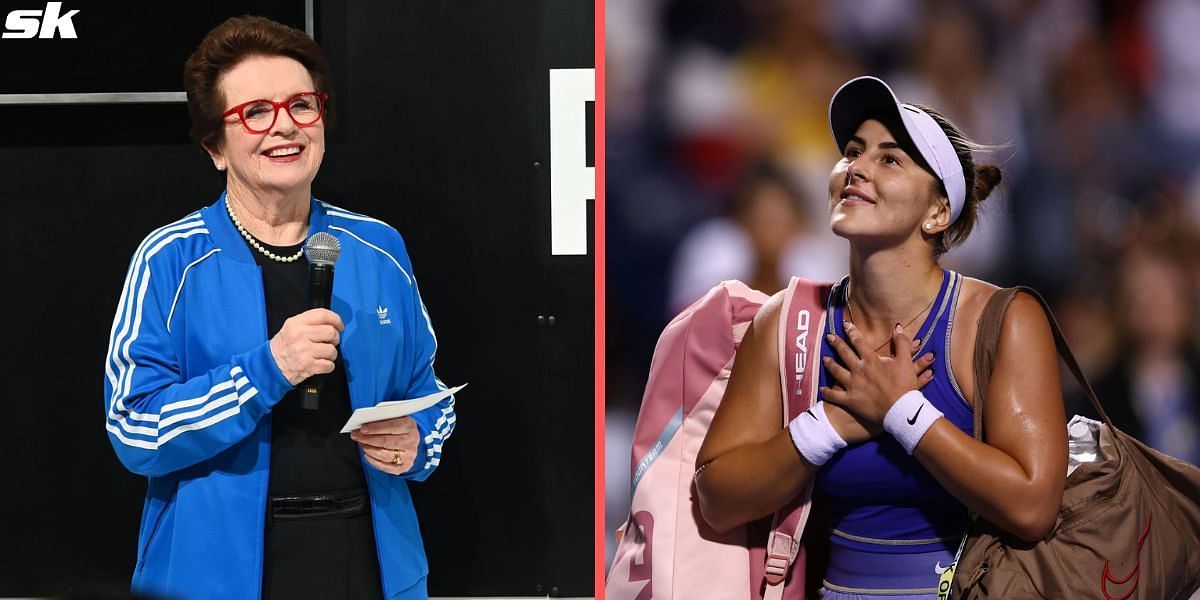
column 220, row 167
column 928, row 226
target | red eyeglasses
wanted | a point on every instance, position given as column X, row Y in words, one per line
column 258, row 116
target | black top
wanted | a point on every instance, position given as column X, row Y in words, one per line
column 308, row 454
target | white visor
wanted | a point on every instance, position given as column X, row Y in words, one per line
column 868, row 97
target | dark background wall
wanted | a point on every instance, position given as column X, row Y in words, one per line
column 442, row 130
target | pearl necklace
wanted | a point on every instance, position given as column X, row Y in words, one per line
column 253, row 242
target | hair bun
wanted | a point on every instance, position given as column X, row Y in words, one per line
column 987, row 177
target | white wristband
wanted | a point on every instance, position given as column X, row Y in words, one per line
column 814, row 436
column 909, row 418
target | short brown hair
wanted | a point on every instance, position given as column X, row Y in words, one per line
column 228, row 44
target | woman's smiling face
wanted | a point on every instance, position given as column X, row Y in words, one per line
column 286, row 157
column 877, row 191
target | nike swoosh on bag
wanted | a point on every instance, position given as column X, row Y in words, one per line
column 913, row 420
column 1134, row 573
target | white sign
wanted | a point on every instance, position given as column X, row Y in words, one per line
column 572, row 182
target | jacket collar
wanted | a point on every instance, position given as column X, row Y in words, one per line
column 227, row 238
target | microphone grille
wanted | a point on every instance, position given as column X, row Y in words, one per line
column 322, row 248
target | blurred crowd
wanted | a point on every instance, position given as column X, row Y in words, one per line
column 718, row 155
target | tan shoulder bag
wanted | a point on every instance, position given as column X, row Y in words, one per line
column 1129, row 523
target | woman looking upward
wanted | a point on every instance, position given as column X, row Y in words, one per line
column 890, row 442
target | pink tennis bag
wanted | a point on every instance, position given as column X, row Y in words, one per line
column 666, row 550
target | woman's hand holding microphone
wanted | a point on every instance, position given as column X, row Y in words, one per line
column 306, row 345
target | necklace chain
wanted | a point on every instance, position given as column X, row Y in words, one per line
column 850, row 310
column 254, row 242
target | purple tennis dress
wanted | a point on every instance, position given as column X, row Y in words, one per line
column 894, row 527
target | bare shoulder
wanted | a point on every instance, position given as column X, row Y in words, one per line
column 977, row 292
column 1026, row 321
column 973, row 297
column 1024, row 317
column 760, row 341
column 767, row 318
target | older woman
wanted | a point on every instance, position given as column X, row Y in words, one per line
column 890, row 445
column 252, row 491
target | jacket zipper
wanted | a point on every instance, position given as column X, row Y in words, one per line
column 265, row 501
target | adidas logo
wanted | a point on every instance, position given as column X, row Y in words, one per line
column 382, row 312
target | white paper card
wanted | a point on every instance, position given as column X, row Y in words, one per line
column 395, row 408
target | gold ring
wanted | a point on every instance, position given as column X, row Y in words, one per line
column 397, row 457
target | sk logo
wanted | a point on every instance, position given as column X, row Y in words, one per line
column 1107, row 576
column 382, row 313
column 25, row 24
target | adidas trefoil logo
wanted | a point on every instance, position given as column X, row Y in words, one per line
column 382, row 312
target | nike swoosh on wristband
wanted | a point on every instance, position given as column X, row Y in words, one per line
column 809, row 412
column 913, row 420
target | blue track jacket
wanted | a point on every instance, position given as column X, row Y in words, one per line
column 191, row 382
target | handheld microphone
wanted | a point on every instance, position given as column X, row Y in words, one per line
column 322, row 250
